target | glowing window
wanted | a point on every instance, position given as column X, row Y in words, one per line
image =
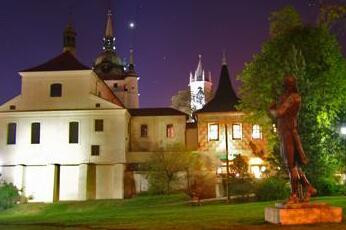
column 144, row 130
column 170, row 131
column 35, row 133
column 11, row 133
column 74, row 132
column 213, row 132
column 256, row 132
column 236, row 132
column 55, row 90
column 98, row 125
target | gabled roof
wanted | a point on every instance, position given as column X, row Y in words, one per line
column 63, row 62
column 225, row 98
column 156, row 112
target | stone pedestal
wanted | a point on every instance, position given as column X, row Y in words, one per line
column 303, row 213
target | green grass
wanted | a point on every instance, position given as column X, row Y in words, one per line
column 147, row 212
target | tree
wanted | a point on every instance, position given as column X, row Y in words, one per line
column 182, row 101
column 181, row 170
column 314, row 55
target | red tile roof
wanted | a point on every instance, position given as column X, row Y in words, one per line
column 64, row 61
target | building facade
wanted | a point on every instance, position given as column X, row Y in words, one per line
column 77, row 133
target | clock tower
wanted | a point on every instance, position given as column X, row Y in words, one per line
column 200, row 87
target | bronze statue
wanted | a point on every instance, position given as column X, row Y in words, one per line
column 286, row 112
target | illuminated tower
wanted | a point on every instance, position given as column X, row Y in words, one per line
column 200, row 87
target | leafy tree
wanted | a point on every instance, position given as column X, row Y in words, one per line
column 182, row 101
column 314, row 55
column 9, row 195
column 181, row 170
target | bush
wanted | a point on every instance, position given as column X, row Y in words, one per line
column 9, row 195
column 327, row 187
column 272, row 188
column 241, row 186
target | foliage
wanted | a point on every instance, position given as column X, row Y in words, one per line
column 241, row 186
column 9, row 195
column 181, row 170
column 272, row 188
column 313, row 54
column 239, row 167
column 182, row 101
column 284, row 21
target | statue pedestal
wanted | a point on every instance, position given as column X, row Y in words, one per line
column 303, row 213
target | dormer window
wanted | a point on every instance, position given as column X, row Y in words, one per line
column 56, row 90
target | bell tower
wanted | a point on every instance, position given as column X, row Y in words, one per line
column 200, row 87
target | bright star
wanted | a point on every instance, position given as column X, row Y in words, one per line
column 132, row 25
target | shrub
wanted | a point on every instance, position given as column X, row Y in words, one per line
column 241, row 186
column 272, row 188
column 327, row 186
column 9, row 195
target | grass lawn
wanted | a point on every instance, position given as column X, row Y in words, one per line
column 152, row 212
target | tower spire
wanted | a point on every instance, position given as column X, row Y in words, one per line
column 132, row 60
column 109, row 38
column 69, row 39
column 224, row 58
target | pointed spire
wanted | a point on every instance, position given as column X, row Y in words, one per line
column 109, row 40
column 109, row 26
column 132, row 62
column 224, row 57
column 69, row 39
column 199, row 70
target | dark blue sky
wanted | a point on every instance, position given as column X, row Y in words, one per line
column 168, row 38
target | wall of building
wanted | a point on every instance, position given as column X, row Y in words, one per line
column 157, row 139
column 244, row 146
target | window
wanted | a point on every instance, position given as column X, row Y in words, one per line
column 115, row 85
column 95, row 150
column 236, row 132
column 170, row 131
column 55, row 90
column 98, row 125
column 144, row 130
column 256, row 132
column 35, row 133
column 213, row 132
column 12, row 107
column 11, row 133
column 97, row 105
column 74, row 132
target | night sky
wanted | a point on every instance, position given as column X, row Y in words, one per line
column 168, row 37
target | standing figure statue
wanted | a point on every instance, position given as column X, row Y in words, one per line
column 286, row 113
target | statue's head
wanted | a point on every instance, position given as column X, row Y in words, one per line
column 290, row 83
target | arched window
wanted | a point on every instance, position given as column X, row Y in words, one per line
column 55, row 90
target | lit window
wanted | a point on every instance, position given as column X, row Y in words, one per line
column 95, row 150
column 11, row 133
column 35, row 133
column 98, row 125
column 256, row 132
column 144, row 130
column 55, row 90
column 74, row 132
column 236, row 132
column 213, row 132
column 170, row 131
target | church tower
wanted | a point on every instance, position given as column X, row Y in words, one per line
column 200, row 87
column 69, row 39
column 119, row 76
